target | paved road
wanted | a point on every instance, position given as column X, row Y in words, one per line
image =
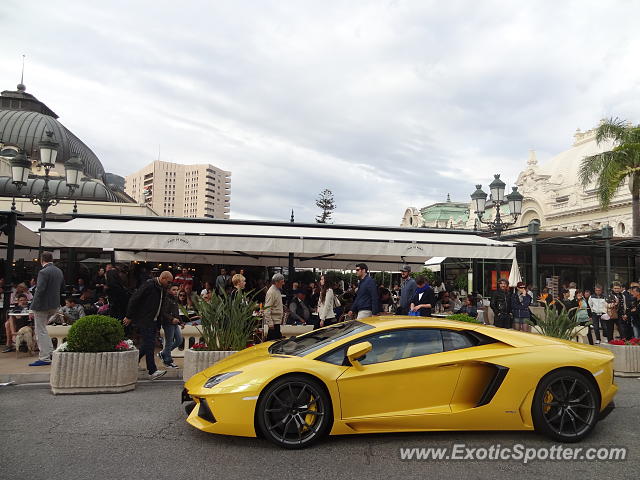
column 142, row 434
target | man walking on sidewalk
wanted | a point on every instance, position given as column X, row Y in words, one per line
column 408, row 290
column 366, row 303
column 144, row 311
column 46, row 303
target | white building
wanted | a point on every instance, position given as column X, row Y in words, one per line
column 176, row 190
column 553, row 193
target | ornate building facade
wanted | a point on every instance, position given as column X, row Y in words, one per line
column 552, row 194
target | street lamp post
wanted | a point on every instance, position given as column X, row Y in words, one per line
column 607, row 235
column 21, row 167
column 497, row 200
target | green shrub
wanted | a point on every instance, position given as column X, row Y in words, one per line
column 95, row 333
column 463, row 317
column 426, row 273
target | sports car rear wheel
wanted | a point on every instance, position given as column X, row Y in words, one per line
column 294, row 412
column 565, row 406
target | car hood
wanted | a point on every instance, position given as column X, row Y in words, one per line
column 252, row 357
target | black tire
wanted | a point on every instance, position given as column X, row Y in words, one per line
column 566, row 406
column 294, row 412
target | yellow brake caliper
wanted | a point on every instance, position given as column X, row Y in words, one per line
column 310, row 418
column 548, row 398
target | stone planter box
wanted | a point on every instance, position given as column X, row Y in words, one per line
column 627, row 359
column 197, row 360
column 102, row 372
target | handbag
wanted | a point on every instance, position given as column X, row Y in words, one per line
column 414, row 313
column 612, row 310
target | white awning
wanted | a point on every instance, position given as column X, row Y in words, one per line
column 268, row 243
column 434, row 263
column 26, row 234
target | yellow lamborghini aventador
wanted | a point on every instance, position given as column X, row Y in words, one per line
column 404, row 374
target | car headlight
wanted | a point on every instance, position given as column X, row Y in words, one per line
column 221, row 377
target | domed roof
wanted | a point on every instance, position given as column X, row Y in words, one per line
column 24, row 121
column 89, row 190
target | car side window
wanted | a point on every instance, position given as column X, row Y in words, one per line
column 393, row 345
column 456, row 340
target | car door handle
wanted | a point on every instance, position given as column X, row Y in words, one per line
column 448, row 365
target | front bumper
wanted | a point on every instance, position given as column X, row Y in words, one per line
column 185, row 396
column 225, row 414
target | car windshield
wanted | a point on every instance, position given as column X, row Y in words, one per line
column 316, row 339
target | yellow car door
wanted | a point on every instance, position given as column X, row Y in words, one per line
column 407, row 372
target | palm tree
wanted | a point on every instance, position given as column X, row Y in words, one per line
column 611, row 168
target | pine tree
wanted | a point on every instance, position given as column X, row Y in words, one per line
column 326, row 203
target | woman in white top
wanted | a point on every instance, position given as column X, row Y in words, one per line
column 327, row 301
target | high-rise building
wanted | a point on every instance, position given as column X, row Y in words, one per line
column 177, row 190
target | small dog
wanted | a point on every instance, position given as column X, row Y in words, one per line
column 25, row 334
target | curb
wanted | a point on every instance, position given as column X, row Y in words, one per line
column 43, row 377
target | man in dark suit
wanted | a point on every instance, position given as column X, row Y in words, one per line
column 45, row 304
column 144, row 310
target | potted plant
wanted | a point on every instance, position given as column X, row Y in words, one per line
column 626, row 362
column 463, row 317
column 226, row 326
column 95, row 359
column 556, row 323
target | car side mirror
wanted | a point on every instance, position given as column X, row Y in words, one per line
column 356, row 352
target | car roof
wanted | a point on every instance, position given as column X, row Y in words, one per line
column 511, row 337
column 396, row 321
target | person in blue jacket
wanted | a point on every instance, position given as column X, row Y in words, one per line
column 366, row 303
column 520, row 303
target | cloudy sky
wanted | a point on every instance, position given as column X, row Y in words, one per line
column 387, row 103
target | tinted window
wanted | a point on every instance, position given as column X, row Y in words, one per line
column 393, row 345
column 316, row 339
column 456, row 340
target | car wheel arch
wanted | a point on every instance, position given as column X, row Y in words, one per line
column 581, row 370
column 280, row 377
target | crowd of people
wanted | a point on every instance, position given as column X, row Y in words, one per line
column 601, row 312
column 166, row 301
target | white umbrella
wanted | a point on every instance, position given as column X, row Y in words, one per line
column 514, row 275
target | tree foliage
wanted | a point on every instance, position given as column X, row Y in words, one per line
column 426, row 273
column 611, row 168
column 327, row 205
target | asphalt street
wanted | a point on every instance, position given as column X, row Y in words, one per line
column 142, row 434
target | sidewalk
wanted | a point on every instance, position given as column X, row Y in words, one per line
column 18, row 369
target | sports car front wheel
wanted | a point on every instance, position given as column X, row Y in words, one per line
column 565, row 406
column 294, row 412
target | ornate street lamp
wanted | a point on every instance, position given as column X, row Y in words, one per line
column 497, row 200
column 21, row 167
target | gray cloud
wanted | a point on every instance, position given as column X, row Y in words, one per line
column 389, row 104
